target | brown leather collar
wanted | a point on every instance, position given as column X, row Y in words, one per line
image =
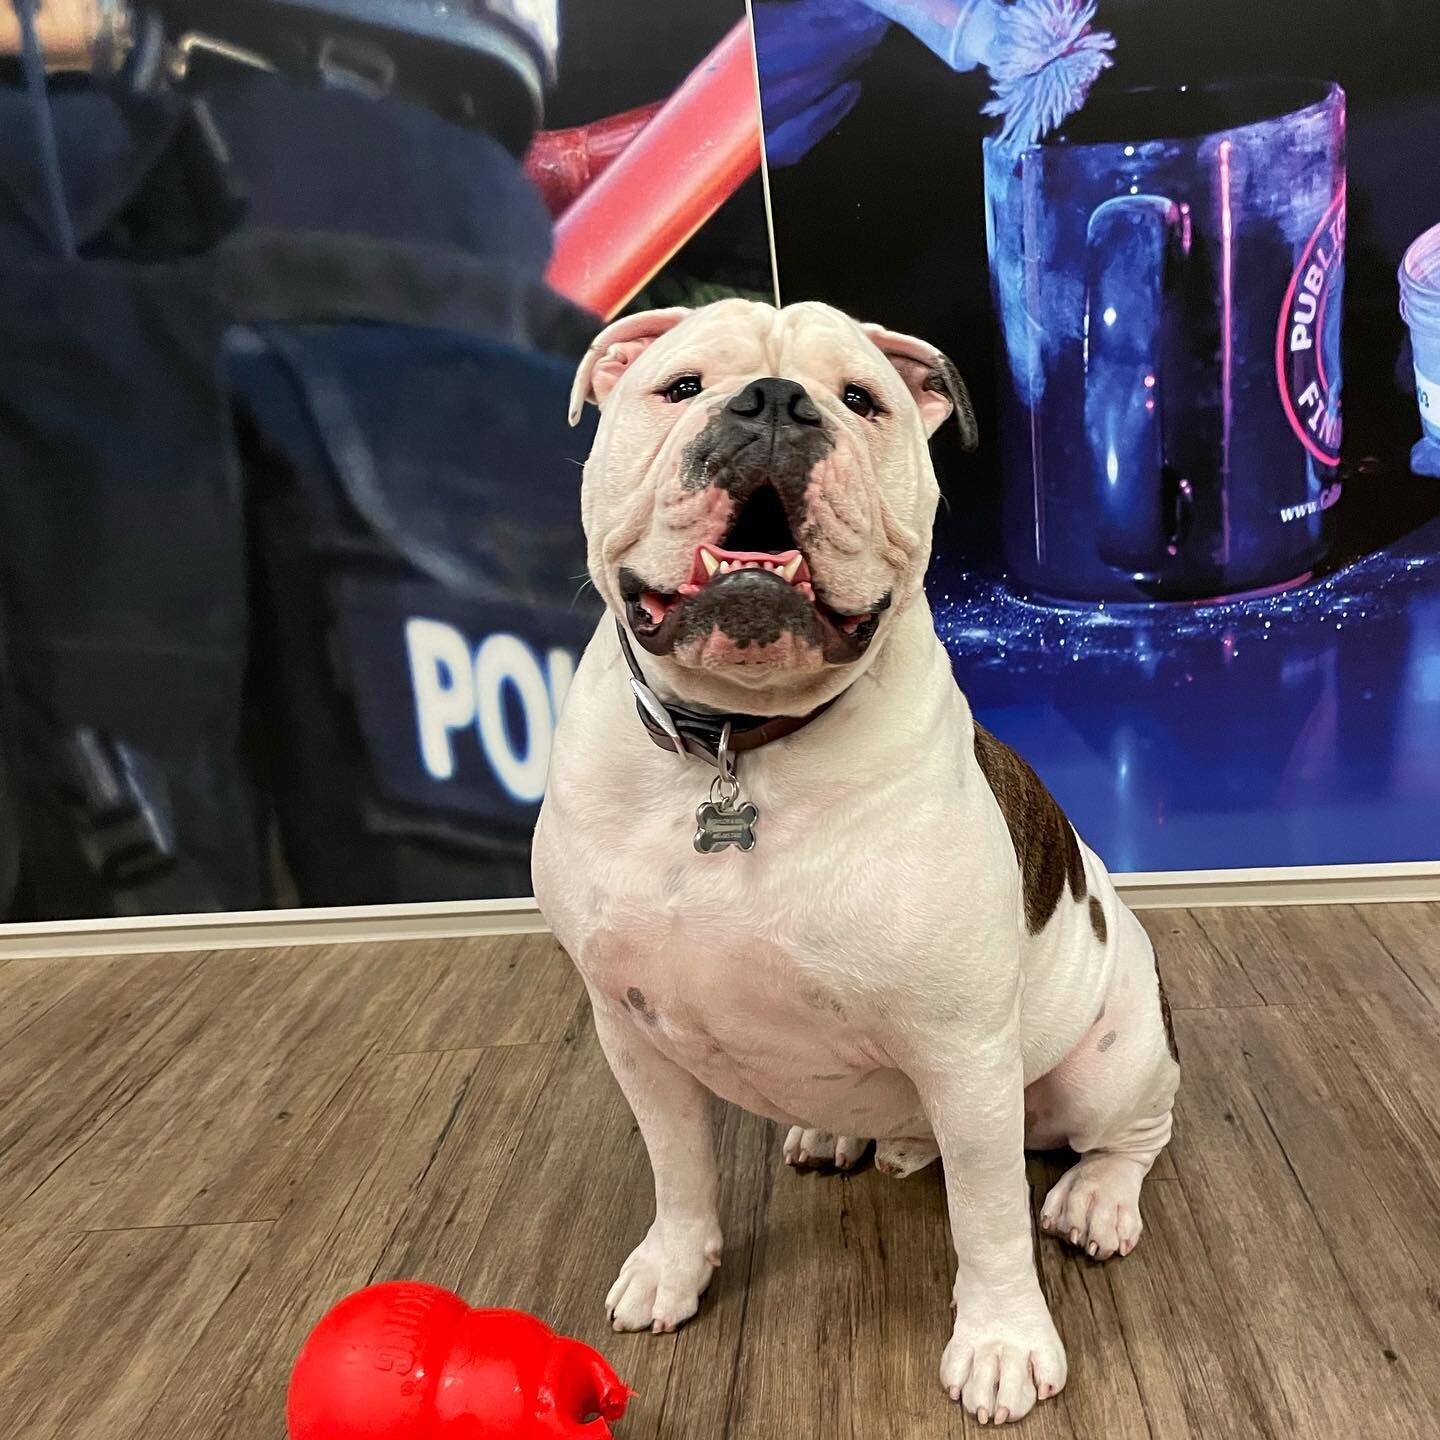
column 697, row 733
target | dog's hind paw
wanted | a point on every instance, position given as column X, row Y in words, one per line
column 819, row 1149
column 1095, row 1205
column 899, row 1158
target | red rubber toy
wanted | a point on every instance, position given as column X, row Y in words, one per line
column 414, row 1362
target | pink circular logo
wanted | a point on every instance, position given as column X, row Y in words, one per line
column 1307, row 343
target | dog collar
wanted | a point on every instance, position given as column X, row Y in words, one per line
column 725, row 819
column 702, row 735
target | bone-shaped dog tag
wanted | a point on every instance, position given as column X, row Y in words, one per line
column 722, row 824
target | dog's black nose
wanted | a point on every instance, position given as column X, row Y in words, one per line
column 780, row 402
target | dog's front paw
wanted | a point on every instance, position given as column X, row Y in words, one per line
column 660, row 1285
column 816, row 1149
column 999, row 1367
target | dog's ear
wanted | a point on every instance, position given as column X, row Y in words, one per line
column 932, row 379
column 614, row 350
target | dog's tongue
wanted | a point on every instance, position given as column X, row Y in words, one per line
column 654, row 605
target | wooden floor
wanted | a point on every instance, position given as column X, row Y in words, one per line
column 200, row 1153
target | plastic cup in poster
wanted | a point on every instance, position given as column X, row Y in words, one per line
column 1420, row 305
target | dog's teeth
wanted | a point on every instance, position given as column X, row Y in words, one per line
column 710, row 563
column 791, row 568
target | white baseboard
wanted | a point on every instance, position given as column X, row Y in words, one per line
column 1307, row 885
column 249, row 929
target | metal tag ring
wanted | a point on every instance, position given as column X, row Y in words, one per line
column 723, row 761
column 724, row 791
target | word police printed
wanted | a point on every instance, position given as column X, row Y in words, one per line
column 1307, row 343
column 456, row 688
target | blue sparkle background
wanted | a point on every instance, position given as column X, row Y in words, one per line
column 1299, row 728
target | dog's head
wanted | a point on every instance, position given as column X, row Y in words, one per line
column 759, row 499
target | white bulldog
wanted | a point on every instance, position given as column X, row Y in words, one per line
column 831, row 897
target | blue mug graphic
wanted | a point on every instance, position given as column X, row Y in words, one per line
column 1170, row 310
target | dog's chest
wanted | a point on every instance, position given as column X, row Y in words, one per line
column 758, row 1021
column 764, row 974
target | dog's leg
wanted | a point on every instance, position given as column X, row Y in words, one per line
column 815, row 1149
column 1112, row 1100
column 660, row 1285
column 1005, row 1352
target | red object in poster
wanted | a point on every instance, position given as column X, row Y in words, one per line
column 702, row 145
column 413, row 1362
column 563, row 164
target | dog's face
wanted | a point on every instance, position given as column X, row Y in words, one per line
column 760, row 495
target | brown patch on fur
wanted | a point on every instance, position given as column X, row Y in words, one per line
column 1097, row 920
column 1165, row 1016
column 817, row 999
column 1045, row 845
column 635, row 999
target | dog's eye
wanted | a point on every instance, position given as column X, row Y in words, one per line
column 686, row 387
column 860, row 400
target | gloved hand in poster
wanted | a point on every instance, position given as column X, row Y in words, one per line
column 808, row 50
column 1043, row 56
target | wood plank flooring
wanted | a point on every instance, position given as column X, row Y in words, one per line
column 200, row 1153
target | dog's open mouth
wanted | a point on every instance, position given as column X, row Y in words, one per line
column 753, row 588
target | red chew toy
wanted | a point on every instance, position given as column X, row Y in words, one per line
column 413, row 1362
